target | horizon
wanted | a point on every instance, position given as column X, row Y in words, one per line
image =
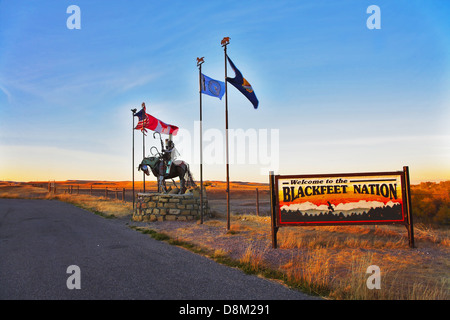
column 336, row 94
column 154, row 181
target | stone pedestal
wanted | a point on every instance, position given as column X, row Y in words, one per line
column 169, row 207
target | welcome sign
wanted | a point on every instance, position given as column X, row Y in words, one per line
column 340, row 199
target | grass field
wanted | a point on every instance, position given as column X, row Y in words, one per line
column 328, row 261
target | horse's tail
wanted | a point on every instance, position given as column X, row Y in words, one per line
column 190, row 179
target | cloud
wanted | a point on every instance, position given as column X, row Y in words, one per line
column 6, row 92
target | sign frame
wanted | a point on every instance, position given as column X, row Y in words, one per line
column 406, row 211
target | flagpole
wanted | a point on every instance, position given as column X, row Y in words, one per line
column 224, row 43
column 132, row 154
column 143, row 150
column 200, row 61
column 143, row 156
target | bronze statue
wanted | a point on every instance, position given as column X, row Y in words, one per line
column 165, row 166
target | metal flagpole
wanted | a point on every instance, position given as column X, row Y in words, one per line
column 200, row 61
column 143, row 156
column 132, row 154
column 224, row 43
column 143, row 146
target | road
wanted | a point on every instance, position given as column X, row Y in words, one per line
column 40, row 239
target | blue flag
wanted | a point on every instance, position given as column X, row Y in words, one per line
column 212, row 87
column 242, row 85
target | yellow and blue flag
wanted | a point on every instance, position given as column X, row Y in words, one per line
column 212, row 87
column 242, row 85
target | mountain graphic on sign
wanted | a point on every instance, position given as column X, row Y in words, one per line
column 343, row 212
column 362, row 204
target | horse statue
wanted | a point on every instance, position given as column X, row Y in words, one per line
column 178, row 168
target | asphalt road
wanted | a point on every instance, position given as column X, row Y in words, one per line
column 40, row 239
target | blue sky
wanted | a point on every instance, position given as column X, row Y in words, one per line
column 343, row 98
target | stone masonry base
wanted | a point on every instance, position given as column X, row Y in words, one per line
column 169, row 207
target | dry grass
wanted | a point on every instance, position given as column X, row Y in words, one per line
column 332, row 261
column 23, row 191
column 329, row 261
column 343, row 236
column 253, row 258
column 99, row 205
column 107, row 207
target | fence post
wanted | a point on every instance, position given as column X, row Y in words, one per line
column 123, row 194
column 90, row 192
column 106, row 192
column 257, row 202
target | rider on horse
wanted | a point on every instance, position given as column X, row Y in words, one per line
column 169, row 153
column 164, row 167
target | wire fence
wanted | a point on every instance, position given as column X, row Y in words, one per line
column 121, row 194
column 107, row 192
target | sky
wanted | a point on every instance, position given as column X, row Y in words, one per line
column 335, row 94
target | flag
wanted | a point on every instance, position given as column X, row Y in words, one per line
column 147, row 121
column 212, row 87
column 242, row 85
column 142, row 115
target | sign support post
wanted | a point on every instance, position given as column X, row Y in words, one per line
column 410, row 226
column 273, row 209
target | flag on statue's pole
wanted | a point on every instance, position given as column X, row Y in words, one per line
column 142, row 116
column 147, row 121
